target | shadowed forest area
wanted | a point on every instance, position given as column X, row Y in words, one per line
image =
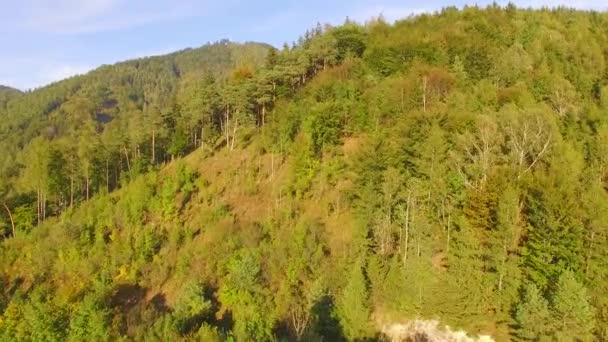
column 450, row 166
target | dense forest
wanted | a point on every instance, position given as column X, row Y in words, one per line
column 449, row 167
column 7, row 93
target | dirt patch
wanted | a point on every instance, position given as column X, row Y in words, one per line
column 351, row 145
column 127, row 296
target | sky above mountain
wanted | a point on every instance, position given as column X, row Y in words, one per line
column 44, row 41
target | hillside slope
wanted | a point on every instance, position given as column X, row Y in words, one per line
column 449, row 167
column 114, row 99
column 9, row 90
column 7, row 93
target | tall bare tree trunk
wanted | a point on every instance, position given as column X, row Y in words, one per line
column 299, row 320
column 236, row 125
column 424, row 82
column 38, row 207
column 127, row 157
column 10, row 216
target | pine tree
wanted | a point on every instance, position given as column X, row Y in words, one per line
column 353, row 307
column 532, row 315
column 572, row 313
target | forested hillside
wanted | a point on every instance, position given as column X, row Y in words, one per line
column 7, row 93
column 449, row 167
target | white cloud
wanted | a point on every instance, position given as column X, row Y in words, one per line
column 65, row 13
column 47, row 71
column 7, row 82
column 58, row 72
column 31, row 72
column 86, row 16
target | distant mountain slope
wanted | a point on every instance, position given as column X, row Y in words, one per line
column 7, row 93
column 124, row 90
column 151, row 81
column 9, row 90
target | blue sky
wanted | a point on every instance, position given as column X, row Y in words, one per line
column 47, row 40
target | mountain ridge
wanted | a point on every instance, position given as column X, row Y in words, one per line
column 4, row 88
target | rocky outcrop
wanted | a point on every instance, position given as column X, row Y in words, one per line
column 427, row 331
